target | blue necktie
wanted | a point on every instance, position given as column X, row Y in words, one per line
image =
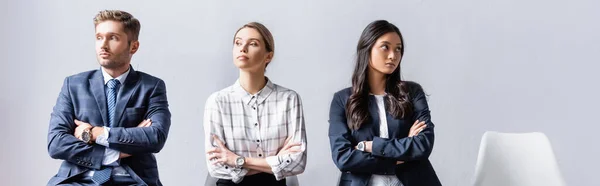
column 103, row 175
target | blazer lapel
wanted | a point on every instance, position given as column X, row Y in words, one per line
column 374, row 112
column 97, row 88
column 125, row 92
column 392, row 123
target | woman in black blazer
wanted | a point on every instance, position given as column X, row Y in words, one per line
column 380, row 129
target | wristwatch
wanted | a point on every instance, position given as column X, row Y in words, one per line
column 361, row 146
column 239, row 162
column 86, row 136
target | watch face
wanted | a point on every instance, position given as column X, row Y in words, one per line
column 240, row 161
column 361, row 146
column 85, row 136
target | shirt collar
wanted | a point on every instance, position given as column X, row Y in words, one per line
column 121, row 78
column 247, row 98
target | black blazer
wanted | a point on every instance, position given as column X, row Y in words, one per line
column 358, row 166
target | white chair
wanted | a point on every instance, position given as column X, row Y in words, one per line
column 516, row 159
column 289, row 181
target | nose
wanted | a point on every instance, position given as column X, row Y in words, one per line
column 104, row 45
column 393, row 56
column 244, row 48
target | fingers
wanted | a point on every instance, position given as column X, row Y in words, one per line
column 419, row 130
column 145, row 123
column 399, row 162
column 292, row 145
column 77, row 136
column 77, row 122
column 417, row 127
column 419, row 124
column 213, row 156
column 287, row 140
column 219, row 142
column 123, row 155
column 214, row 151
column 292, row 151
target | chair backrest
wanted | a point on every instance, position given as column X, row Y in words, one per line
column 289, row 181
column 516, row 159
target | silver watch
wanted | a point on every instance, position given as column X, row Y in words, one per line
column 239, row 162
column 361, row 146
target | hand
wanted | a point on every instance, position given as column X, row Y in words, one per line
column 288, row 147
column 145, row 123
column 81, row 126
column 369, row 146
column 416, row 128
column 221, row 154
column 124, row 155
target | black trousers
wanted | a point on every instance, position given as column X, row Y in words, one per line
column 262, row 179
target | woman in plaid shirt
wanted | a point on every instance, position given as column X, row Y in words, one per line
column 254, row 129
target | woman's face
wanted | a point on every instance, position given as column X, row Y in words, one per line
column 385, row 54
column 249, row 50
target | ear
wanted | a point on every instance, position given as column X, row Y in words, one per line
column 269, row 58
column 134, row 46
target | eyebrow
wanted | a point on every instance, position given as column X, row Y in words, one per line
column 109, row 33
column 386, row 42
column 248, row 39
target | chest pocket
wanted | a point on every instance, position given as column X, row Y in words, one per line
column 134, row 115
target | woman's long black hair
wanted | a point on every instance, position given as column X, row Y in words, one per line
column 398, row 103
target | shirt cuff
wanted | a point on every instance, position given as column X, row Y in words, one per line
column 237, row 175
column 110, row 157
column 103, row 138
column 278, row 163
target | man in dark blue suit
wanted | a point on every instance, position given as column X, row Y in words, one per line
column 107, row 123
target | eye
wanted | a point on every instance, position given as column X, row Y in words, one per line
column 113, row 37
column 253, row 44
column 237, row 43
column 398, row 49
column 98, row 38
column 384, row 47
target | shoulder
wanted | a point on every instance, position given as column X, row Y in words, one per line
column 219, row 96
column 147, row 78
column 285, row 93
column 81, row 77
column 344, row 93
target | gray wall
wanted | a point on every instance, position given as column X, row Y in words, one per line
column 504, row 65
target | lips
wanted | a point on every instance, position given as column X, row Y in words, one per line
column 104, row 54
column 242, row 57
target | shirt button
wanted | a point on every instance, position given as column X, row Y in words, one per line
column 255, row 124
column 257, row 141
column 254, row 108
column 226, row 167
column 259, row 155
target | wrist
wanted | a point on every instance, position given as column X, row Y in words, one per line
column 240, row 161
column 368, row 146
column 86, row 135
column 96, row 131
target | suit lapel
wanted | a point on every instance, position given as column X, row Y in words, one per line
column 392, row 123
column 374, row 112
column 97, row 88
column 125, row 92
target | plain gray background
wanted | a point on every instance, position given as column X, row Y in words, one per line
column 503, row 65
